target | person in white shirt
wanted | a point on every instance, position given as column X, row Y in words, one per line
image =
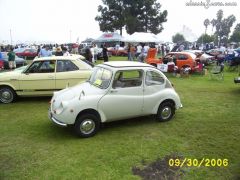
column 65, row 51
column 139, row 50
column 146, row 50
column 94, row 51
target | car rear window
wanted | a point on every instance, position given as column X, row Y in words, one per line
column 153, row 78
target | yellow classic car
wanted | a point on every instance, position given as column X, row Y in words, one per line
column 43, row 76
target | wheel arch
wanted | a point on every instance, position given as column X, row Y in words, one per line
column 168, row 100
column 165, row 100
column 8, row 86
column 185, row 65
column 89, row 111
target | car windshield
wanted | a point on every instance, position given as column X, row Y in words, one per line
column 100, row 77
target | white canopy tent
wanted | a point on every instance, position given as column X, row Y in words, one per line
column 109, row 37
column 143, row 37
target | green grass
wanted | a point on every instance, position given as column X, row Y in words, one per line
column 208, row 126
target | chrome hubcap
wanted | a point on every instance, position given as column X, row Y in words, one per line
column 5, row 96
column 166, row 112
column 87, row 126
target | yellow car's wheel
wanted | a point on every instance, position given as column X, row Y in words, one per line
column 7, row 95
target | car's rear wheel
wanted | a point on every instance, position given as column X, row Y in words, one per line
column 166, row 111
column 86, row 125
column 7, row 95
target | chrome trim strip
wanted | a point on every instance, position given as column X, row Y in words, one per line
column 58, row 123
column 55, row 120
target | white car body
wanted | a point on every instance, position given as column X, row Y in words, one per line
column 113, row 102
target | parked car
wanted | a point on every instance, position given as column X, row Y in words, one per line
column 27, row 53
column 44, row 76
column 181, row 60
column 214, row 52
column 19, row 61
column 115, row 91
column 202, row 56
column 120, row 52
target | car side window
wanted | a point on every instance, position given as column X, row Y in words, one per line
column 42, row 67
column 66, row 65
column 153, row 78
column 128, row 78
column 182, row 57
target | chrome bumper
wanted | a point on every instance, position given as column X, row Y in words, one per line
column 55, row 120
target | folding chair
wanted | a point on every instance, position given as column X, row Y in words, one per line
column 199, row 69
column 171, row 68
column 217, row 72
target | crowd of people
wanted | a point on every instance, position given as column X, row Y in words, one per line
column 134, row 51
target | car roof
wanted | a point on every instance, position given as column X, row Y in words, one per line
column 71, row 57
column 192, row 55
column 121, row 64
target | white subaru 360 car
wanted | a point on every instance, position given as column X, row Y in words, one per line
column 115, row 91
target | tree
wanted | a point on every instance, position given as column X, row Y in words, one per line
column 112, row 17
column 235, row 37
column 223, row 26
column 213, row 23
column 136, row 16
column 178, row 38
column 205, row 38
column 150, row 18
column 206, row 24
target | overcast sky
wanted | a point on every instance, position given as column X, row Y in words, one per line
column 65, row 20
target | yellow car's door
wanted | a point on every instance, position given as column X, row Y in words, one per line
column 69, row 74
column 38, row 79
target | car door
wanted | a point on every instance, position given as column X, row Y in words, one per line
column 125, row 98
column 69, row 74
column 182, row 60
column 39, row 78
column 153, row 86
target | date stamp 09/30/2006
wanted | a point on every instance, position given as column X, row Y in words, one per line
column 204, row 162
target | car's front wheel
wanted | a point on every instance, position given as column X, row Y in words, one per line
column 7, row 95
column 87, row 125
column 165, row 111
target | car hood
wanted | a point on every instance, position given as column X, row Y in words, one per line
column 80, row 91
column 206, row 56
column 6, row 76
